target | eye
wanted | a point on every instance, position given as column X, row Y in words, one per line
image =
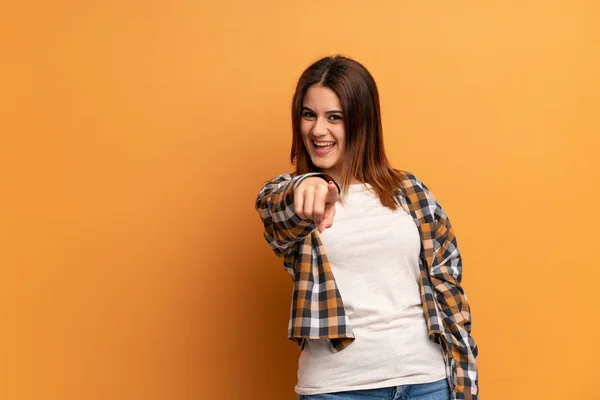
column 335, row 117
column 308, row 114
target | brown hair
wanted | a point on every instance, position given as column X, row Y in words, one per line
column 365, row 155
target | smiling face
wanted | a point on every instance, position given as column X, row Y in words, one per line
column 323, row 130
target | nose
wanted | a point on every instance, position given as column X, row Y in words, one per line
column 319, row 128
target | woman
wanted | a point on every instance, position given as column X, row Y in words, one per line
column 377, row 306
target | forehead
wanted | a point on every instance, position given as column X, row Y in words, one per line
column 321, row 98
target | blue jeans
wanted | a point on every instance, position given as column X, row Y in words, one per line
column 438, row 390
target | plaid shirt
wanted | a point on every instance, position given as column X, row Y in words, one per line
column 317, row 310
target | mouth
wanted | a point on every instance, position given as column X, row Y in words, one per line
column 323, row 147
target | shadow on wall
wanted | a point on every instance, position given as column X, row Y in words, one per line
column 248, row 297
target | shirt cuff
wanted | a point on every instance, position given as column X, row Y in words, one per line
column 327, row 178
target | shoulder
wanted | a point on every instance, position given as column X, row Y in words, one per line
column 410, row 183
column 419, row 193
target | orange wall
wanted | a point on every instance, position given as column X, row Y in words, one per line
column 135, row 135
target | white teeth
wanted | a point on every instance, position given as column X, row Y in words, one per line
column 323, row 144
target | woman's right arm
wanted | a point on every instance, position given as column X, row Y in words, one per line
column 275, row 205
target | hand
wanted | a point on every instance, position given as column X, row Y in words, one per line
column 315, row 199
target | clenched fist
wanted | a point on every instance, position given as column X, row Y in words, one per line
column 315, row 198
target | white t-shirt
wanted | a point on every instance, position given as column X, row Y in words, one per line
column 373, row 252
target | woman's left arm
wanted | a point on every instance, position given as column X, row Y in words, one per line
column 446, row 276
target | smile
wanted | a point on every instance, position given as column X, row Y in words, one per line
column 323, row 144
column 323, row 148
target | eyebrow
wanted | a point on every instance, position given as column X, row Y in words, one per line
column 327, row 112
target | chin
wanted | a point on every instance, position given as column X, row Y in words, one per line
column 323, row 165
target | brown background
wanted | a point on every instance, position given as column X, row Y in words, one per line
column 135, row 135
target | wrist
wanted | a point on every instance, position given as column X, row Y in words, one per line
column 326, row 177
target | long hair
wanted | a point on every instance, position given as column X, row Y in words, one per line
column 365, row 155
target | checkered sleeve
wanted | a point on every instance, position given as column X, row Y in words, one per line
column 275, row 205
column 446, row 276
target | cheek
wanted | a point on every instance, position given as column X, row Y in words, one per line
column 305, row 133
column 304, row 128
column 340, row 136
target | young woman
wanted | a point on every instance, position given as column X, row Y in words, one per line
column 377, row 306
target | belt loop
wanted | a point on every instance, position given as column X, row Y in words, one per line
column 397, row 392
